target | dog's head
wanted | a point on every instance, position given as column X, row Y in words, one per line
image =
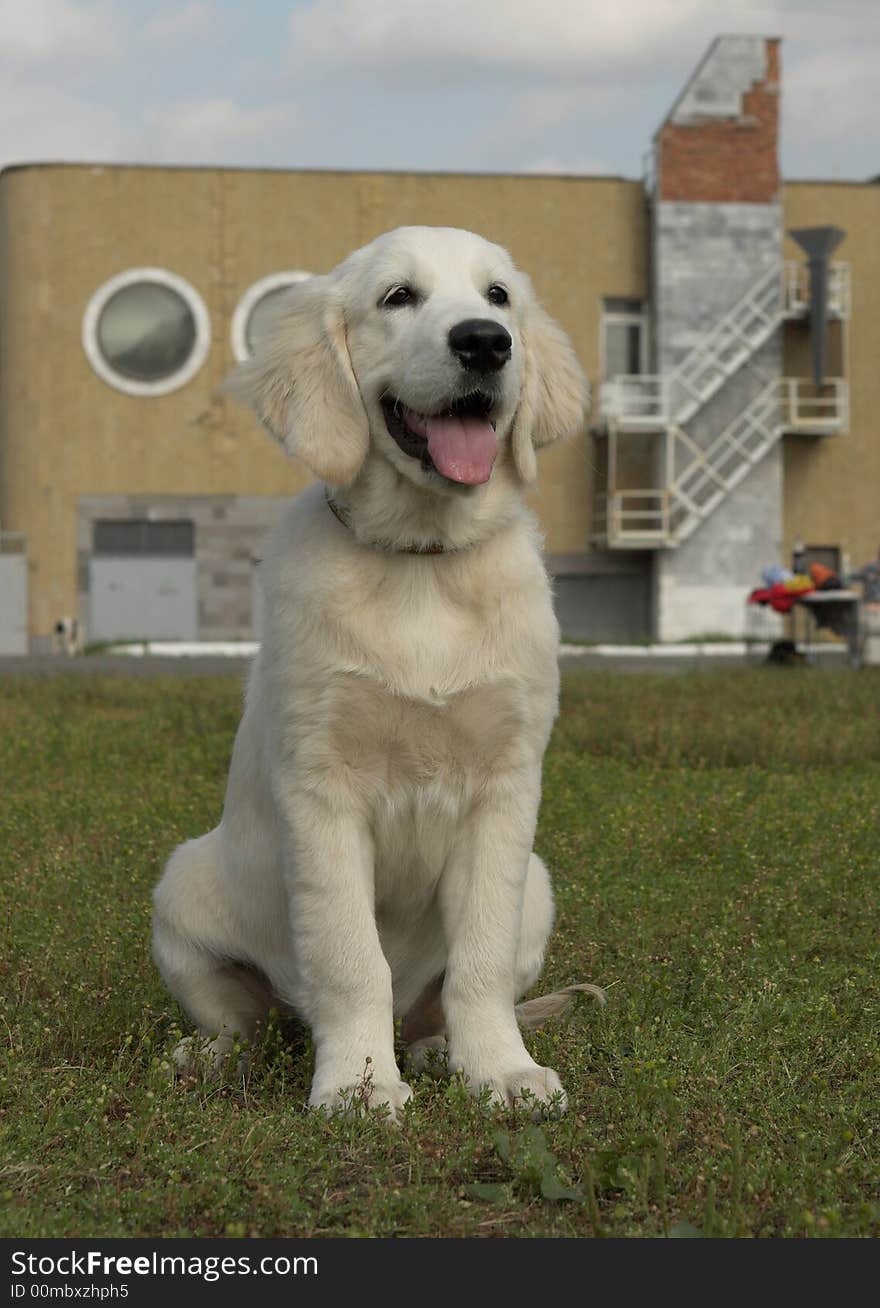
column 427, row 347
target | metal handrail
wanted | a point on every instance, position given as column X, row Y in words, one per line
column 648, row 397
column 635, row 396
column 712, row 471
column 796, row 288
column 805, row 411
column 618, row 514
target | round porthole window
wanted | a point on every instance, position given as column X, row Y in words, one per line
column 146, row 331
column 256, row 309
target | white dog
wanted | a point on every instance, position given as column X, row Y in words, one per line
column 67, row 636
column 375, row 859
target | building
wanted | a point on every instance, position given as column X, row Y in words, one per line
column 134, row 495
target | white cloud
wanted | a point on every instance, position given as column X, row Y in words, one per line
column 45, row 114
column 579, row 166
column 830, row 94
column 559, row 84
column 39, row 121
column 549, row 130
column 213, row 130
column 194, row 19
column 546, row 108
column 415, row 39
column 34, row 32
column 563, row 60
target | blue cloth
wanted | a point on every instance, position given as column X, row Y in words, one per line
column 774, row 575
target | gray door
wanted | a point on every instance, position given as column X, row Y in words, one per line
column 13, row 603
column 143, row 599
column 142, row 581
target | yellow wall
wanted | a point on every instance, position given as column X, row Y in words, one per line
column 832, row 483
column 64, row 230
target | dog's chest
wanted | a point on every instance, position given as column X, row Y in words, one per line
column 393, row 746
column 423, row 691
column 431, row 641
column 419, row 703
column 414, row 770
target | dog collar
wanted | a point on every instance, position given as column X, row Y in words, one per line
column 434, row 548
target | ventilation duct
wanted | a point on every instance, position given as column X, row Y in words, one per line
column 818, row 243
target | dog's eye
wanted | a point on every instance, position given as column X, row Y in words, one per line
column 399, row 296
column 497, row 295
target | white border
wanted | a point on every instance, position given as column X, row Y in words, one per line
column 131, row 277
column 250, row 299
column 628, row 318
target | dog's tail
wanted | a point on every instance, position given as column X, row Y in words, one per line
column 535, row 1012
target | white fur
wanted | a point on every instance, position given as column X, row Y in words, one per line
column 385, row 781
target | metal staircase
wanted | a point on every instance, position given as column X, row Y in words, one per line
column 654, row 400
column 694, row 478
column 698, row 478
column 723, row 350
column 710, row 473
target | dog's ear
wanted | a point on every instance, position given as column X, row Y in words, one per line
column 555, row 392
column 302, row 387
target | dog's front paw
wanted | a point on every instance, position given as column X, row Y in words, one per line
column 536, row 1089
column 387, row 1097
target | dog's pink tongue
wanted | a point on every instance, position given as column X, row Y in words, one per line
column 463, row 449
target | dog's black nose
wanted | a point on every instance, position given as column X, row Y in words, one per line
column 480, row 344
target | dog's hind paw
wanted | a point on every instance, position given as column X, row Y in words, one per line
column 429, row 1055
column 197, row 1056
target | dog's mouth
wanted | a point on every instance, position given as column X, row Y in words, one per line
column 458, row 443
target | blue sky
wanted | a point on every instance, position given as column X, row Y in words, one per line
column 476, row 85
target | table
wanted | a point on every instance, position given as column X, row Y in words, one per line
column 838, row 611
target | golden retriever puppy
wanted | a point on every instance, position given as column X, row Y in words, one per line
column 374, row 859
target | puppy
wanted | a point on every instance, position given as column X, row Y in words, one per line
column 66, row 633
column 374, row 859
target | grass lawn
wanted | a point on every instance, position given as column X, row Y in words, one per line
column 715, row 840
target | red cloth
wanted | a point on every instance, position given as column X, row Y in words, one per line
column 778, row 597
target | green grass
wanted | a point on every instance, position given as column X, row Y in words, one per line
column 716, row 847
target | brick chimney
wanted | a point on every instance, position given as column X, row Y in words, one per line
column 717, row 231
column 719, row 143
